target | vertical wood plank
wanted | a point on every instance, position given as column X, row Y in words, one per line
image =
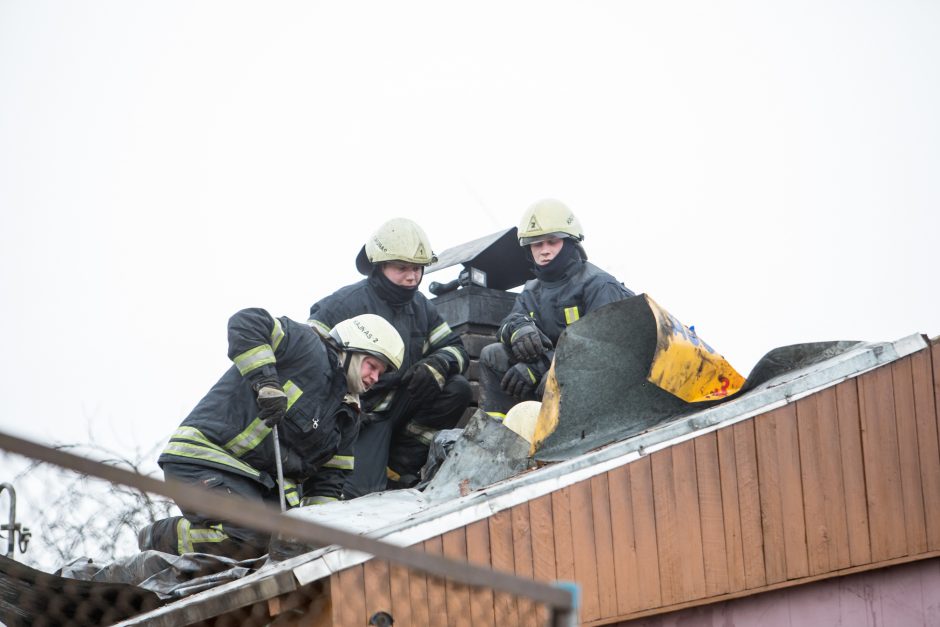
column 791, row 491
column 349, row 597
column 543, row 546
column 582, row 532
column 401, row 595
column 437, row 591
column 927, row 439
column 752, row 533
column 853, row 473
column 500, row 527
column 690, row 519
column 731, row 510
column 478, row 552
column 604, row 546
column 822, row 476
column 669, row 532
column 771, row 497
column 882, row 466
column 644, row 526
column 418, row 588
column 377, row 587
column 458, row 595
column 714, row 549
column 624, row 540
column 915, row 524
column 564, row 543
column 522, row 559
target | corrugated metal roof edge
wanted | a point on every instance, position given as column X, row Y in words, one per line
column 443, row 517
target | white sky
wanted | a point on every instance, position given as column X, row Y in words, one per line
column 766, row 171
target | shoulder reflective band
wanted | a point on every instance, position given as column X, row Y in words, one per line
column 317, row 500
column 571, row 314
column 319, row 327
column 439, row 334
column 343, row 462
column 277, row 334
column 255, row 358
column 458, row 355
column 187, row 535
column 423, row 434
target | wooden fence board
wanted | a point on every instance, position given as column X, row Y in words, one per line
column 853, row 472
column 564, row 542
column 401, row 595
column 928, row 446
column 582, row 532
column 500, row 527
column 418, row 587
column 752, row 535
column 690, row 521
column 437, row 591
column 714, row 549
column 377, row 587
column 912, row 488
column 454, row 545
column 791, row 491
column 771, row 497
column 626, row 569
column 644, row 527
column 882, row 466
column 669, row 529
column 523, row 564
column 604, row 546
column 543, row 546
column 349, row 600
column 478, row 552
column 731, row 510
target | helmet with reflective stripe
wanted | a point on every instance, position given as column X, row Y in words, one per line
column 371, row 334
column 399, row 239
column 548, row 218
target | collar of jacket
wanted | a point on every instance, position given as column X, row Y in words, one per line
column 388, row 291
column 568, row 261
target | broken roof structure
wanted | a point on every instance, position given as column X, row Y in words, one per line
column 824, row 471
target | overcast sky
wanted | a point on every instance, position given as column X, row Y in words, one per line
column 766, row 171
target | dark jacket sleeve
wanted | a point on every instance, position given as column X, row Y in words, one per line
column 326, row 313
column 603, row 293
column 442, row 342
column 255, row 342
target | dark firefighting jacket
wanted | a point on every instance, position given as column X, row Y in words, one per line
column 421, row 327
column 318, row 430
column 553, row 305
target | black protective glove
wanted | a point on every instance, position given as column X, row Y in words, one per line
column 528, row 343
column 272, row 401
column 425, row 379
column 520, row 380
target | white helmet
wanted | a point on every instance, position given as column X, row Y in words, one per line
column 371, row 334
column 399, row 239
column 548, row 218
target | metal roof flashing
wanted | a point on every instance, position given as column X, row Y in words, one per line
column 406, row 517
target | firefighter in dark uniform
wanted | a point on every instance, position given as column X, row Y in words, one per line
column 405, row 409
column 283, row 374
column 566, row 288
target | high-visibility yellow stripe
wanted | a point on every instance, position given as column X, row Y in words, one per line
column 248, row 439
column 187, row 535
column 195, row 451
column 343, row 462
column 458, row 355
column 319, row 327
column 291, row 493
column 193, row 434
column 420, row 432
column 255, row 358
column 439, row 334
column 317, row 500
column 571, row 314
column 277, row 334
column 495, row 414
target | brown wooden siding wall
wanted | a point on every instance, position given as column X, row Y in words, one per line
column 845, row 480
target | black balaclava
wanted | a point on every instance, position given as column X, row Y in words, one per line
column 568, row 259
column 388, row 291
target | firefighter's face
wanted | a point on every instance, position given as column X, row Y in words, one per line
column 370, row 370
column 546, row 250
column 403, row 274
